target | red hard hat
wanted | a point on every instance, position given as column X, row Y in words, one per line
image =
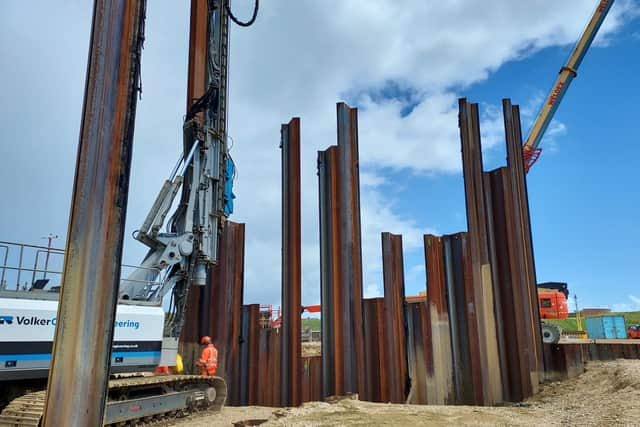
column 205, row 340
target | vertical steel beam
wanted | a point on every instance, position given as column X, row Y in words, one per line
column 311, row 380
column 419, row 351
column 479, row 252
column 341, row 260
column 440, row 389
column 394, row 301
column 291, row 265
column 376, row 387
column 514, row 308
column 248, row 376
column 351, row 248
column 196, row 84
column 464, row 338
column 79, row 373
column 330, row 280
column 196, row 80
column 519, row 184
column 504, row 351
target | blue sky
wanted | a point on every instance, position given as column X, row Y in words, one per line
column 404, row 67
column 583, row 202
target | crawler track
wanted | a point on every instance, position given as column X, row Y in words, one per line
column 133, row 400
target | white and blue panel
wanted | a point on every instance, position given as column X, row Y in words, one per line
column 27, row 328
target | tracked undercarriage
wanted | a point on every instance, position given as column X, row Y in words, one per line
column 133, row 400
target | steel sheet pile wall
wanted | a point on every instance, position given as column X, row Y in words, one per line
column 419, row 352
column 513, row 267
column 249, row 356
column 341, row 260
column 455, row 375
column 291, row 265
column 260, row 358
column 376, row 386
column 567, row 360
column 260, row 361
column 479, row 251
column 386, row 372
column 439, row 359
column 215, row 310
column 394, row 301
column 475, row 340
column 502, row 230
column 312, row 379
column 482, row 304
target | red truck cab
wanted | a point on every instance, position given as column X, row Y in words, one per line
column 634, row 331
column 553, row 304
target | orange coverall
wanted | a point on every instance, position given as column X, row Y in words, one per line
column 208, row 362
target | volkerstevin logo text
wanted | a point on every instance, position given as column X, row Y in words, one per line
column 8, row 320
column 127, row 324
column 27, row 321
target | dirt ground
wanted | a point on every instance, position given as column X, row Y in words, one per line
column 607, row 394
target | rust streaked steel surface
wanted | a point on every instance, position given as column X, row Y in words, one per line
column 330, row 287
column 341, row 260
column 269, row 359
column 419, row 352
column 311, row 379
column 471, row 308
column 464, row 334
column 515, row 162
column 215, row 310
column 291, row 368
column 351, row 248
column 196, row 81
column 82, row 347
column 480, row 269
column 249, row 354
column 376, row 387
column 221, row 305
column 395, row 321
column 514, row 306
column 440, row 388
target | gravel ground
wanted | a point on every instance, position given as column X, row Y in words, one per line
column 607, row 394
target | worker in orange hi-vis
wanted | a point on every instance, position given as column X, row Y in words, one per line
column 208, row 362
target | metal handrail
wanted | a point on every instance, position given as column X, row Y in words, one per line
column 20, row 268
column 6, row 257
column 4, row 242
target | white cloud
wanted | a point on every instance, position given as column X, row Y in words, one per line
column 633, row 304
column 298, row 59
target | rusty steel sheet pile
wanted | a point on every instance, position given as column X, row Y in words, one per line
column 215, row 310
column 480, row 268
column 249, row 355
column 483, row 328
column 474, row 340
column 341, row 260
column 291, row 265
column 395, row 321
column 376, row 387
column 419, row 352
column 77, row 387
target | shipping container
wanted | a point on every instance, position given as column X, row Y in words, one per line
column 606, row 327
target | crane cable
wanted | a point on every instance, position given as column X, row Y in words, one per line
column 236, row 20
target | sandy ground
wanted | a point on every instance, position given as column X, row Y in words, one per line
column 608, row 394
